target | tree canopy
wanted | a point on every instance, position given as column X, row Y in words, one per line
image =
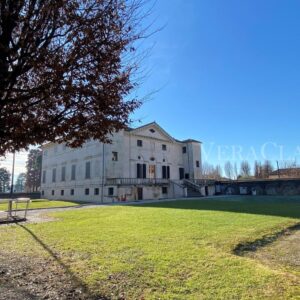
column 66, row 69
column 4, row 180
column 33, row 170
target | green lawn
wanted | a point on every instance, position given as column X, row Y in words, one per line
column 168, row 250
column 41, row 203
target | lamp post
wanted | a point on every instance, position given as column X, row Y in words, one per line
column 12, row 176
column 11, row 186
column 103, row 173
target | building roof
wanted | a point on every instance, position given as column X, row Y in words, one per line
column 190, row 141
column 129, row 129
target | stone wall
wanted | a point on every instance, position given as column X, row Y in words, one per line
column 288, row 187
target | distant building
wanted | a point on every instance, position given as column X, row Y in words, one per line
column 141, row 163
column 285, row 173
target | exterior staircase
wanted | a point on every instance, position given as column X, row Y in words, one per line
column 193, row 189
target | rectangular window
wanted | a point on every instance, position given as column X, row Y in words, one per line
column 197, row 164
column 73, row 172
column 72, row 192
column 183, row 149
column 62, row 192
column 43, row 193
column 96, row 191
column 110, row 191
column 139, row 143
column 52, row 192
column 165, row 190
column 181, row 173
column 54, row 175
column 141, row 170
column 44, row 176
column 164, row 147
column 87, row 191
column 63, row 173
column 88, row 170
column 114, row 156
column 165, row 172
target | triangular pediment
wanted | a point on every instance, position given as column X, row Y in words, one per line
column 152, row 130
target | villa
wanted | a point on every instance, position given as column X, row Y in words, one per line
column 141, row 163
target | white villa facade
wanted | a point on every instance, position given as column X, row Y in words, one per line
column 141, row 163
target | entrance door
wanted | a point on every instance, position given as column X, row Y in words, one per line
column 206, row 190
column 140, row 193
column 181, row 173
column 152, row 171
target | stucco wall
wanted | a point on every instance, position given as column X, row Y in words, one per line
column 103, row 166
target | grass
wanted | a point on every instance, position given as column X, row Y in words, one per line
column 40, row 203
column 168, row 250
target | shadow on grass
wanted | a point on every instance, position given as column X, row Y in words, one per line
column 76, row 281
column 260, row 205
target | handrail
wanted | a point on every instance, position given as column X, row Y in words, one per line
column 136, row 181
column 202, row 181
column 178, row 184
column 193, row 185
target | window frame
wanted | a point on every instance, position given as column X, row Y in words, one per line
column 63, row 173
column 44, row 176
column 111, row 191
column 87, row 170
column 115, row 156
column 73, row 172
column 54, row 175
column 141, row 171
column 165, row 172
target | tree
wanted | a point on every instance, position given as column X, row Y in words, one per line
column 228, row 169
column 33, row 170
column 211, row 172
column 67, row 68
column 20, row 183
column 258, row 172
column 245, row 169
column 218, row 172
column 235, row 171
column 4, row 180
column 267, row 169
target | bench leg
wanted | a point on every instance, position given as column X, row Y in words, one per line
column 9, row 209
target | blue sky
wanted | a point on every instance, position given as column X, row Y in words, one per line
column 228, row 74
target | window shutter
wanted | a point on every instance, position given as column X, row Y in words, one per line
column 168, row 172
column 138, row 169
column 144, row 170
column 164, row 173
